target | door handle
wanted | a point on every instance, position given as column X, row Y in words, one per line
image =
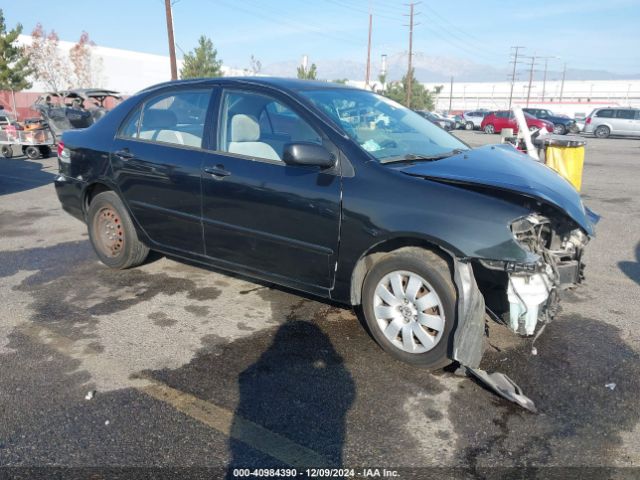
column 124, row 154
column 218, row 171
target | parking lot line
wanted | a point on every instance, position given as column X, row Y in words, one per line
column 219, row 418
column 226, row 422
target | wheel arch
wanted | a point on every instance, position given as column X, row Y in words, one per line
column 377, row 251
column 91, row 191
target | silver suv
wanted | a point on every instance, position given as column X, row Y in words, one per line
column 473, row 119
column 603, row 122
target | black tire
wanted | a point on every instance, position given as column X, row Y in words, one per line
column 469, row 126
column 602, row 131
column 559, row 129
column 122, row 250
column 33, row 153
column 489, row 129
column 45, row 151
column 6, row 151
column 435, row 270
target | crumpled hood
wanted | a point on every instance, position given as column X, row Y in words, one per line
column 503, row 167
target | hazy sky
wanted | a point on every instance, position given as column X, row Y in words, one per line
column 587, row 34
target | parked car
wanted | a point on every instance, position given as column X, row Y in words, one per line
column 473, row 120
column 603, row 122
column 439, row 120
column 495, row 122
column 394, row 215
column 562, row 124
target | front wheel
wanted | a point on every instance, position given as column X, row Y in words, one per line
column 112, row 233
column 6, row 151
column 408, row 301
column 489, row 129
column 469, row 126
column 559, row 129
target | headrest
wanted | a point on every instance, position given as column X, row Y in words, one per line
column 244, row 128
column 155, row 119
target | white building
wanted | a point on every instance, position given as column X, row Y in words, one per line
column 574, row 97
column 125, row 71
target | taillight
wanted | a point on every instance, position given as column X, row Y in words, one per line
column 60, row 148
column 588, row 120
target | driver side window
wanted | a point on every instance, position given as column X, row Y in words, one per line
column 259, row 126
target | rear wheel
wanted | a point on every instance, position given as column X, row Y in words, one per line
column 469, row 126
column 112, row 233
column 408, row 300
column 489, row 129
column 33, row 153
column 602, row 131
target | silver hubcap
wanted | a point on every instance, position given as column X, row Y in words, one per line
column 409, row 312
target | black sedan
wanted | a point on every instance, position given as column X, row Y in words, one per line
column 562, row 124
column 336, row 192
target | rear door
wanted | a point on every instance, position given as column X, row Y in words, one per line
column 157, row 159
column 260, row 214
column 624, row 121
column 636, row 124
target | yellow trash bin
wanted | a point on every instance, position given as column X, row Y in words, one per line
column 567, row 158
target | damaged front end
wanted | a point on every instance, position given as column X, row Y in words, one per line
column 556, row 245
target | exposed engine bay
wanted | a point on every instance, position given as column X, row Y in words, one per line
column 532, row 289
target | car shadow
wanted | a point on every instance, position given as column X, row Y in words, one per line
column 632, row 269
column 298, row 388
column 21, row 174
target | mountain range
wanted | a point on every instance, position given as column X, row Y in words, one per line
column 434, row 69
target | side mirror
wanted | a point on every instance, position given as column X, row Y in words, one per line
column 308, row 154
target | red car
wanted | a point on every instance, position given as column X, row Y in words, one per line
column 496, row 121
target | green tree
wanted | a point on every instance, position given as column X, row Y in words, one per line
column 421, row 97
column 341, row 81
column 14, row 62
column 202, row 61
column 308, row 73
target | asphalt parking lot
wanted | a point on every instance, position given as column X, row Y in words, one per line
column 195, row 368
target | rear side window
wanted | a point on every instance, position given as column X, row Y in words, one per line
column 626, row 114
column 605, row 113
column 175, row 117
column 130, row 127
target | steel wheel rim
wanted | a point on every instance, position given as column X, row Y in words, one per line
column 558, row 129
column 109, row 234
column 409, row 312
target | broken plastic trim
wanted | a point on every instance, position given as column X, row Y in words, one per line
column 503, row 386
column 468, row 339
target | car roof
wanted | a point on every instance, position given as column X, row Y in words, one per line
column 291, row 84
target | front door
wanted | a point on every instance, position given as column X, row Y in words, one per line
column 157, row 161
column 259, row 214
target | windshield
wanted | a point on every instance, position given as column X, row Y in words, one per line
column 382, row 127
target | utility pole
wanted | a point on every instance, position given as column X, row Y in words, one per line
column 564, row 74
column 172, row 45
column 533, row 62
column 513, row 74
column 368, row 74
column 410, row 68
column 544, row 78
column 450, row 95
